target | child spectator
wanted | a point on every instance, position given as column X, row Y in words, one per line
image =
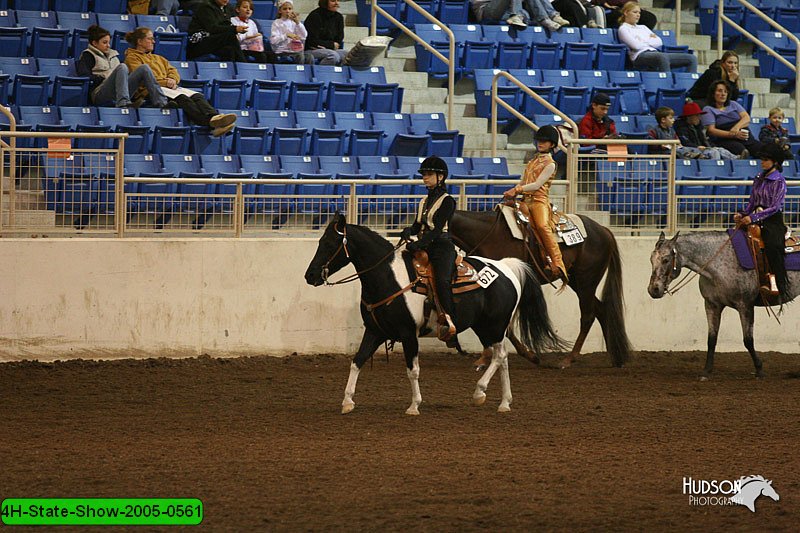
column 665, row 117
column 774, row 132
column 692, row 134
column 288, row 36
column 596, row 124
column 252, row 42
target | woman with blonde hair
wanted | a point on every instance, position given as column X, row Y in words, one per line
column 644, row 46
column 726, row 69
column 194, row 105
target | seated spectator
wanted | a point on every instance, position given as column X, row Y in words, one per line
column 252, row 42
column 577, row 12
column 110, row 79
column 194, row 105
column 692, row 134
column 164, row 7
column 726, row 69
column 644, row 45
column 509, row 11
column 665, row 131
column 775, row 133
column 727, row 123
column 325, row 26
column 211, row 32
column 288, row 35
column 613, row 19
column 542, row 13
column 596, row 124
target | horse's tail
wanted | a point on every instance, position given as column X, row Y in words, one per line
column 535, row 328
column 613, row 308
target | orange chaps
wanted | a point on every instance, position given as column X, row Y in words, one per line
column 540, row 222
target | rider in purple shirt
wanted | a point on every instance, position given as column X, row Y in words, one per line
column 765, row 208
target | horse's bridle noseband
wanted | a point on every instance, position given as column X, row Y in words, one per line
column 342, row 246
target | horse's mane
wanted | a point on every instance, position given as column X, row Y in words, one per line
column 749, row 479
column 371, row 235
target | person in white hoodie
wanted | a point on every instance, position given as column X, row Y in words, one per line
column 644, row 45
column 288, row 35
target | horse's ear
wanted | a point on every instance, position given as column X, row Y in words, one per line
column 339, row 221
column 661, row 239
column 675, row 238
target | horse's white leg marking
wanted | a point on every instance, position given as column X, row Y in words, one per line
column 479, row 397
column 416, row 396
column 505, row 379
column 348, row 404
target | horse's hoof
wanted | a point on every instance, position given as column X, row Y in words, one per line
column 504, row 409
column 480, row 368
column 347, row 407
column 760, row 374
column 413, row 411
column 566, row 363
column 704, row 378
column 479, row 400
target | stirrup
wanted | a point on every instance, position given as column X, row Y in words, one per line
column 772, row 289
column 447, row 330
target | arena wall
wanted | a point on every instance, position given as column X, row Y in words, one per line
column 112, row 298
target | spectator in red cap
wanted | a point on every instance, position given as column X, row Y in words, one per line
column 596, row 124
column 691, row 133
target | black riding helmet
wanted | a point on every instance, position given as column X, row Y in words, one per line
column 775, row 153
column 434, row 164
column 547, row 133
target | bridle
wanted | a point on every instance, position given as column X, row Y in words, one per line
column 343, row 246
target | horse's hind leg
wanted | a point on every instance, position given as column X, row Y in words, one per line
column 411, row 353
column 369, row 343
column 499, row 361
column 486, row 355
column 747, row 317
column 713, row 315
column 589, row 305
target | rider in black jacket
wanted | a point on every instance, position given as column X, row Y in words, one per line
column 431, row 224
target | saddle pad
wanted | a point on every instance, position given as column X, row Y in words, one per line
column 739, row 241
column 509, row 215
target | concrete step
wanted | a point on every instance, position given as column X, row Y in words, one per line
column 755, row 85
column 24, row 200
column 395, row 64
column 459, row 110
column 425, row 96
column 408, row 80
column 30, row 219
column 508, row 154
column 696, row 42
column 484, row 142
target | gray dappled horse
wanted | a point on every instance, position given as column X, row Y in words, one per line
column 723, row 283
column 393, row 313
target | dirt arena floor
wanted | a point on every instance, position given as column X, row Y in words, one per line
column 261, row 442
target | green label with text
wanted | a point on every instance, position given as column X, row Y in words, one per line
column 101, row 511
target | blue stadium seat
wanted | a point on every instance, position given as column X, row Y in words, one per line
column 68, row 6
column 13, row 42
column 453, row 12
column 219, row 70
column 672, row 98
column 289, row 141
column 714, row 168
column 599, row 35
column 363, row 139
column 170, row 136
column 230, row 94
column 276, row 119
column 248, row 137
column 625, row 77
column 325, row 139
column 111, row 6
column 632, row 100
column 744, row 169
column 491, row 167
column 264, row 9
column 379, row 166
column 68, row 88
column 572, row 100
column 305, row 96
column 28, row 88
column 342, row 167
column 255, row 71
column 590, row 78
column 578, row 56
column 444, row 142
column 545, row 55
column 531, row 106
column 625, row 124
column 268, row 94
column 172, row 45
column 611, row 56
column 124, row 120
column 50, row 42
column 36, row 19
column 558, row 77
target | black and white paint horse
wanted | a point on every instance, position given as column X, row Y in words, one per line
column 392, row 314
column 723, row 283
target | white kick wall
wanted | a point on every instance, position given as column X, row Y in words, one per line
column 114, row 298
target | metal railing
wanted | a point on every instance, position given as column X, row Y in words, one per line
column 450, row 62
column 496, row 100
column 722, row 17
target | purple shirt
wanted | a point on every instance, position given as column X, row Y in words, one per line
column 727, row 115
column 768, row 193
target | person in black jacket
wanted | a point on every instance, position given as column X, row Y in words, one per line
column 325, row 27
column 211, row 32
column 726, row 69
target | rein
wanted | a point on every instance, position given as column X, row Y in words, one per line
column 343, row 246
column 689, row 276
